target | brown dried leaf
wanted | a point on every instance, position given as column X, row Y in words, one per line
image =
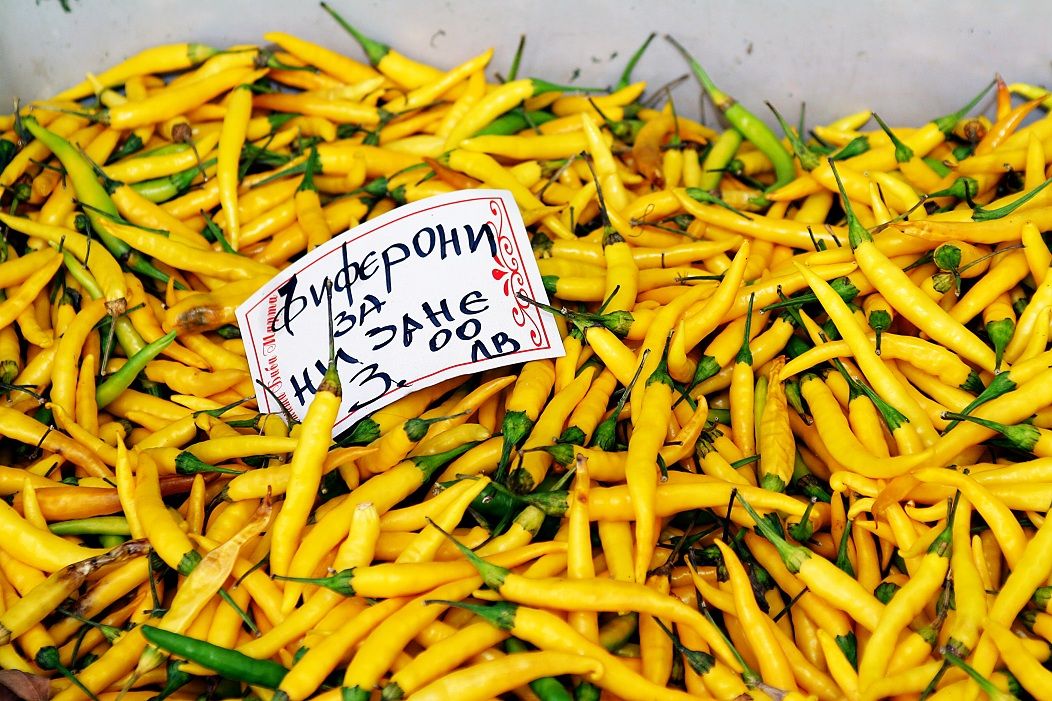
column 20, row 686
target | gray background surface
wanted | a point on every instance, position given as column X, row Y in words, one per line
column 907, row 59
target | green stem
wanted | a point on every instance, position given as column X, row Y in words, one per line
column 515, row 428
column 981, row 214
column 492, row 575
column 513, row 72
column 745, row 353
column 841, row 285
column 374, row 50
column 857, row 234
column 903, row 153
column 363, row 432
column 1021, row 436
column 312, row 166
column 1001, row 384
column 541, row 86
column 792, row 555
column 500, row 614
column 706, row 197
column 48, row 658
column 699, row 661
column 855, row 147
column 415, row 429
column 985, row 684
column 809, row 160
column 187, row 463
column 626, row 75
column 1000, row 332
column 842, row 559
column 752, row 128
column 605, row 436
column 947, row 122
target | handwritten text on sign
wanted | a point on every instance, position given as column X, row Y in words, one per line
column 426, row 292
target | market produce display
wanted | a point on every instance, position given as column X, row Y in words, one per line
column 798, row 445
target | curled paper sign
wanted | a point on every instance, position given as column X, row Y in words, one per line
column 429, row 291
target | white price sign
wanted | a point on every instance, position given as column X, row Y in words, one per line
column 428, row 291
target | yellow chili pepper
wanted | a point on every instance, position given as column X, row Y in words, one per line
column 644, row 446
column 231, row 140
column 774, row 667
column 903, row 607
column 775, row 443
column 305, row 469
column 173, row 101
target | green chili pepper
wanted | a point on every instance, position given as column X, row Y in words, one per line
column 751, row 127
column 171, row 186
column 97, row 525
column 515, row 121
column 82, row 174
column 587, row 691
column 119, row 381
column 227, row 663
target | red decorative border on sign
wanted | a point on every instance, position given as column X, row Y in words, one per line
column 509, row 269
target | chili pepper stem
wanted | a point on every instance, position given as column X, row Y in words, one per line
column 719, row 98
column 985, row 684
column 626, row 75
column 857, row 233
column 48, row 658
column 492, row 575
column 947, row 122
column 809, row 160
column 373, row 49
column 1022, row 436
column 793, row 556
column 903, row 153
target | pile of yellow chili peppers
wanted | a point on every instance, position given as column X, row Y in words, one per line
column 798, row 446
